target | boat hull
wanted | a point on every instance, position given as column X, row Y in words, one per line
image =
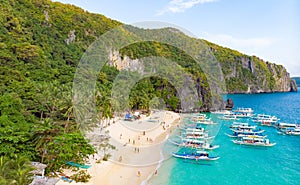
column 196, row 158
column 253, row 144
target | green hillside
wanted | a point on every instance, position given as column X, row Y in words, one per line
column 41, row 44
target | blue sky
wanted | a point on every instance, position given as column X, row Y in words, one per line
column 269, row 29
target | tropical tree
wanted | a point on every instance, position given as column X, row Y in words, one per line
column 16, row 170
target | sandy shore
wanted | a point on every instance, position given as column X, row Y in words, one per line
column 138, row 150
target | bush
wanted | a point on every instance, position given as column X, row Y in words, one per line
column 106, row 156
column 81, row 176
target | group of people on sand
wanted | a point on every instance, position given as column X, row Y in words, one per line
column 139, row 138
column 139, row 174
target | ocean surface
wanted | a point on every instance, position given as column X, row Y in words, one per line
column 246, row 165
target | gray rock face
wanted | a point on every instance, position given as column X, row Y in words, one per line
column 124, row 63
column 253, row 74
column 71, row 37
column 294, row 87
column 229, row 104
column 257, row 76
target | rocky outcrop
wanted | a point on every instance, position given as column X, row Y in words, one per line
column 250, row 74
column 297, row 81
column 71, row 37
column 229, row 104
column 115, row 59
column 294, row 87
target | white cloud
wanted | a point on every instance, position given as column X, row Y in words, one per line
column 178, row 6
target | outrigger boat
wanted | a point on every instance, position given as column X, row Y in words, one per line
column 229, row 117
column 191, row 125
column 196, row 135
column 265, row 120
column 254, row 135
column 268, row 122
column 195, row 144
column 250, row 131
column 206, row 122
column 253, row 141
column 243, row 115
column 246, row 132
column 238, row 125
column 290, row 131
column 194, row 130
column 244, row 110
column 199, row 155
column 287, row 125
column 222, row 112
column 198, row 117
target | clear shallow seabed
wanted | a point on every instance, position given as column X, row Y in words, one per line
column 278, row 165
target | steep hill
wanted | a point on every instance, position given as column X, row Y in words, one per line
column 41, row 44
column 250, row 74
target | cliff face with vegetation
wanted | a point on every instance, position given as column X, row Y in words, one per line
column 249, row 74
column 41, row 44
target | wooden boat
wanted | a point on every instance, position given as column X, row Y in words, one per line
column 199, row 155
column 198, row 117
column 287, row 125
column 251, row 141
column 229, row 117
column 206, row 122
column 290, row 131
column 195, row 144
column 239, row 125
column 255, row 135
column 247, row 131
column 222, row 112
column 244, row 110
column 266, row 120
column 243, row 115
column 195, row 130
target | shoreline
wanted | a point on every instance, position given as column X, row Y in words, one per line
column 138, row 154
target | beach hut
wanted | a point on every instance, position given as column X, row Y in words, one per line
column 39, row 169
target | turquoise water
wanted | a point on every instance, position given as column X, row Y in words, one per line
column 278, row 165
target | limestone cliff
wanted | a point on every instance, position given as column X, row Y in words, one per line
column 250, row 74
column 243, row 74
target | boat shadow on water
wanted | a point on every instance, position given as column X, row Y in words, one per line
column 197, row 162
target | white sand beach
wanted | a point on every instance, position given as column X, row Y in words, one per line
column 138, row 150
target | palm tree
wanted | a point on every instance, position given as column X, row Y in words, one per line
column 4, row 170
column 15, row 171
column 22, row 170
column 43, row 134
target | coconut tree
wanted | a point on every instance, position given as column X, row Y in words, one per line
column 5, row 172
column 43, row 134
column 22, row 170
column 15, row 171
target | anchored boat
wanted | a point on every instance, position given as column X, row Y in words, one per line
column 199, row 155
column 252, row 141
